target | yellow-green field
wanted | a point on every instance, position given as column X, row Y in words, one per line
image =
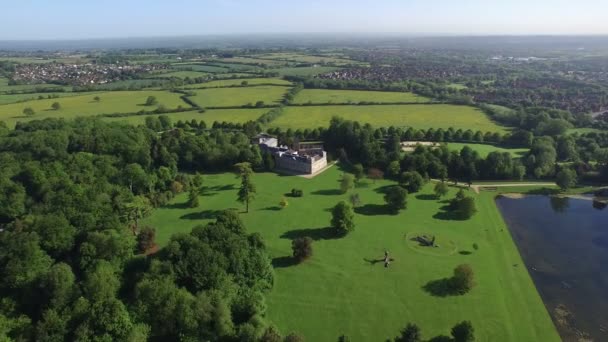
column 177, row 74
column 417, row 116
column 485, row 149
column 355, row 96
column 305, row 71
column 4, row 87
column 226, row 97
column 84, row 105
column 238, row 82
column 248, row 60
column 14, row 98
column 209, row 116
column 300, row 58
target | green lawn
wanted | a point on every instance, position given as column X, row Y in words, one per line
column 238, row 82
column 6, row 99
column 84, row 105
column 355, row 96
column 485, row 149
column 340, row 290
column 225, row 97
column 417, row 116
column 209, row 116
column 4, row 87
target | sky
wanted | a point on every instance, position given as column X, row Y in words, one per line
column 83, row 19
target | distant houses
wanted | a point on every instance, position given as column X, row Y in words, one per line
column 306, row 158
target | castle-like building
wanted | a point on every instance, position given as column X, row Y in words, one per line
column 306, row 158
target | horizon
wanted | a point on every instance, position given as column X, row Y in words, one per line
column 74, row 20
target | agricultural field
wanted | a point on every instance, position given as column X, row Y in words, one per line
column 239, row 67
column 178, row 74
column 14, row 98
column 416, row 116
column 343, row 289
column 238, row 82
column 4, row 87
column 200, row 67
column 85, row 105
column 209, row 116
column 314, row 96
column 304, row 71
column 238, row 96
column 303, row 58
column 484, row 149
column 250, row 60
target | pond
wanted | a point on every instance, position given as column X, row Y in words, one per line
column 564, row 244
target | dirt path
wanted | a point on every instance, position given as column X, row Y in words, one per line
column 476, row 187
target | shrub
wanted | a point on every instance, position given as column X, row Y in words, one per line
column 342, row 219
column 297, row 193
column 283, row 203
column 145, row 239
column 463, row 332
column 302, row 248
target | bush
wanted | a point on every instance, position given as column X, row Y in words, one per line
column 302, row 248
column 342, row 218
column 463, row 332
column 462, row 281
column 145, row 239
column 297, row 193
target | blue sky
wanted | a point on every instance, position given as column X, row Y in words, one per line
column 77, row 19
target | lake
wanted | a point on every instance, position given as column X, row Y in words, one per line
column 564, row 244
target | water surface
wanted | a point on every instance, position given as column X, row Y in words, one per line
column 564, row 244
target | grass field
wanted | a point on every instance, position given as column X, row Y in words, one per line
column 303, row 58
column 5, row 99
column 225, row 97
column 485, row 149
column 355, row 96
column 209, row 116
column 342, row 290
column 250, row 60
column 84, row 105
column 4, row 87
column 417, row 116
column 201, row 67
column 238, row 82
column 177, row 74
column 304, row 71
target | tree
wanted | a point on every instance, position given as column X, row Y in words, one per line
column 193, row 201
column 412, row 181
column 302, row 248
column 393, row 169
column 466, row 208
column 411, row 333
column 566, row 179
column 293, row 337
column 247, row 190
column 396, row 199
column 354, row 200
column 441, row 189
column 145, row 239
column 346, row 183
column 358, row 172
column 137, row 209
column 462, row 281
column 151, row 101
column 463, row 332
column 375, row 174
column 342, row 219
column 97, row 99
column 56, row 106
column 28, row 111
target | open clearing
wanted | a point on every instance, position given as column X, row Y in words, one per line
column 356, row 96
column 226, row 97
column 209, row 116
column 343, row 290
column 238, row 82
column 84, row 105
column 485, row 149
column 417, row 116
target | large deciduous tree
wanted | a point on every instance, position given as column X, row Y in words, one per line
column 342, row 218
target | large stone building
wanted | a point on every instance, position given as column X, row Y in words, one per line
column 304, row 159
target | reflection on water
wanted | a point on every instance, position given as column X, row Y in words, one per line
column 564, row 243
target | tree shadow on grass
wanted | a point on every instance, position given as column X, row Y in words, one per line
column 446, row 213
column 426, row 197
column 272, row 208
column 383, row 189
column 284, row 261
column 327, row 192
column 327, row 233
column 465, row 252
column 201, row 215
column 373, row 210
column 220, row 187
column 183, row 205
column 440, row 288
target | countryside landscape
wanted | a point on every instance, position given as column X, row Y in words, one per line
column 304, row 187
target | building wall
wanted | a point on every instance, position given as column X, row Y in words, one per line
column 306, row 167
